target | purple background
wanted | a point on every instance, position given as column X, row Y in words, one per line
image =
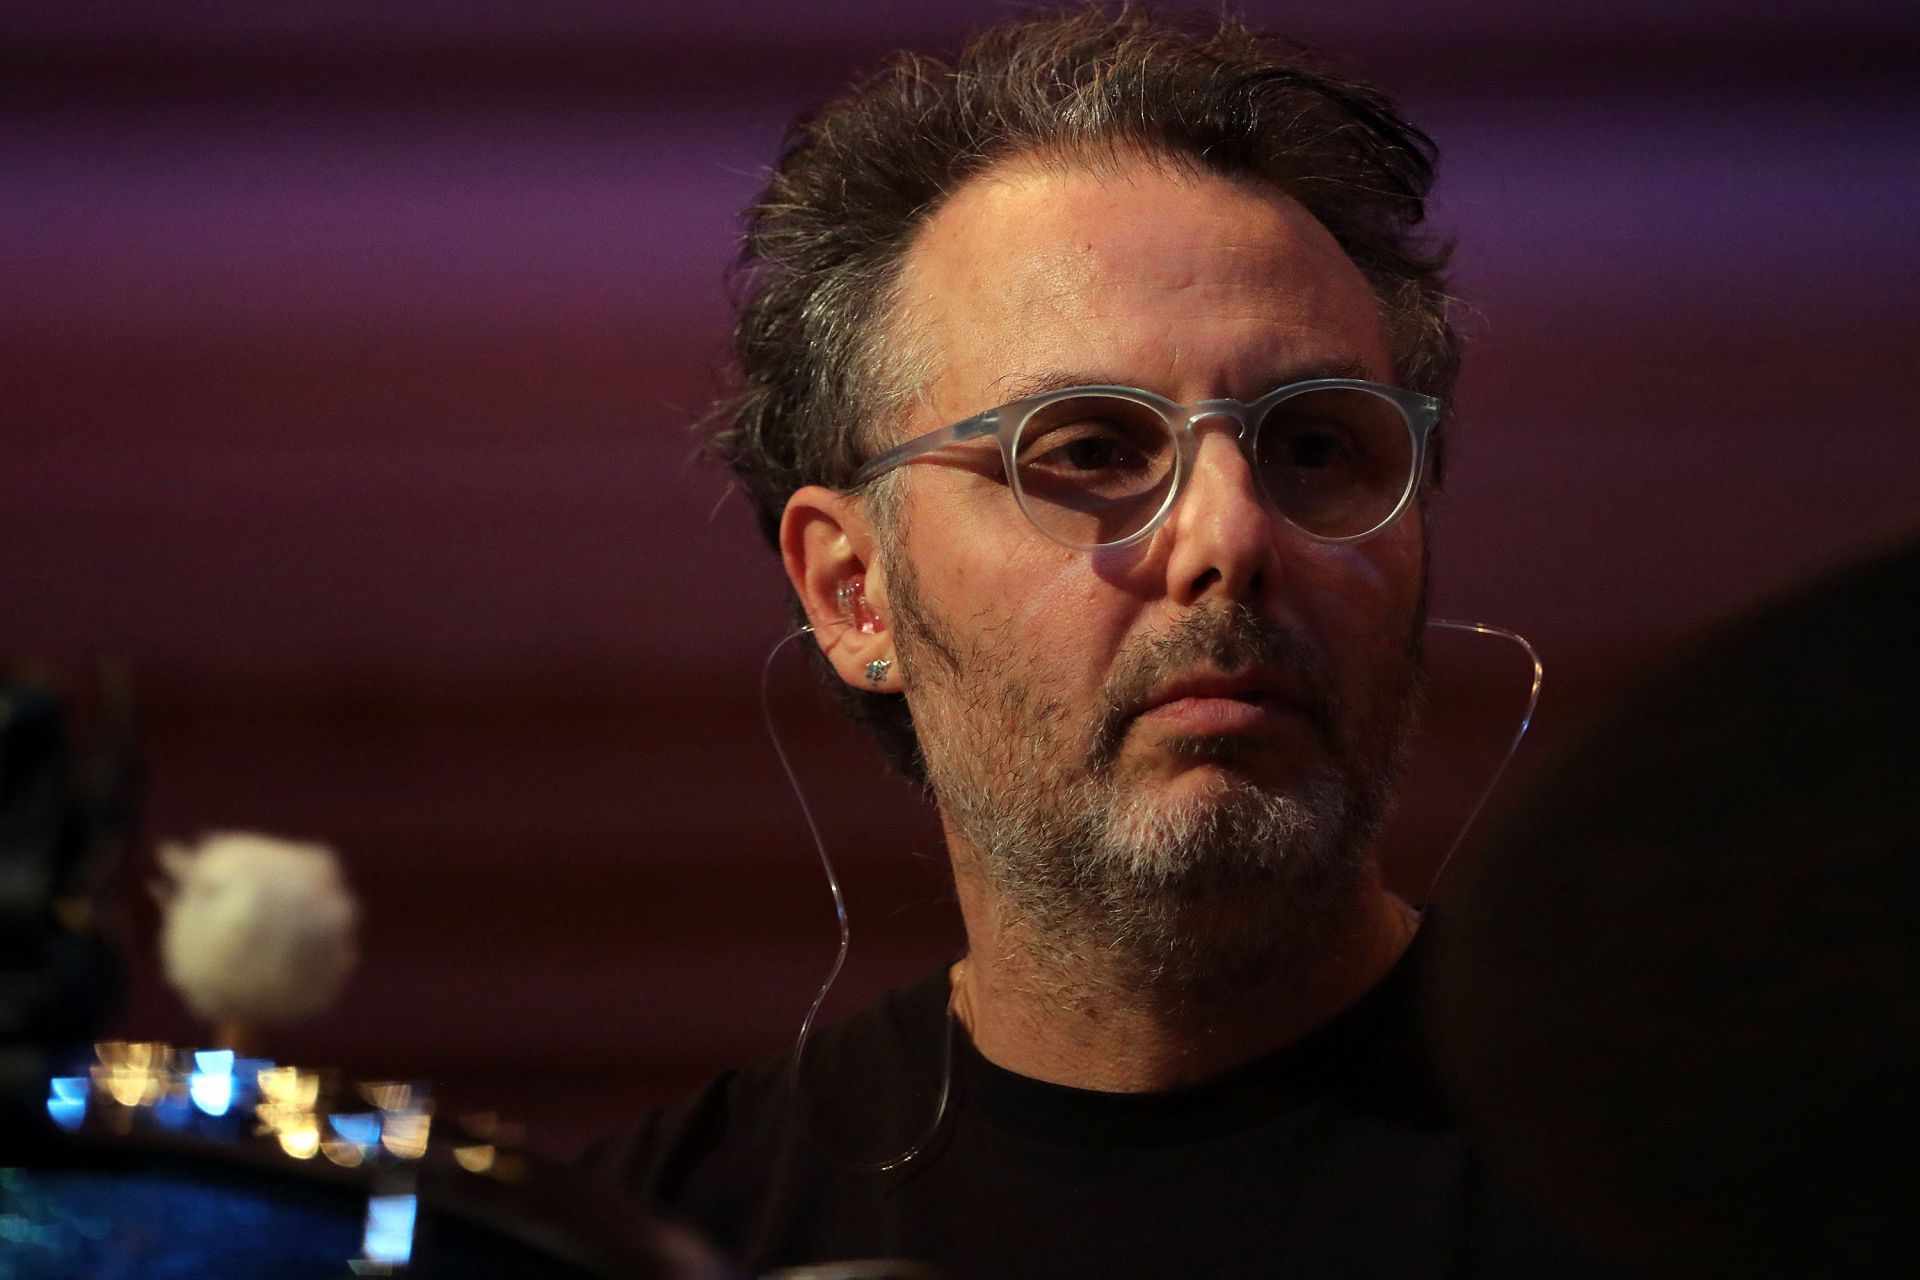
column 346, row 370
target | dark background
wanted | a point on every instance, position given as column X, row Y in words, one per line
column 347, row 364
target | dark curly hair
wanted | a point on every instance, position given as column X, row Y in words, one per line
column 817, row 282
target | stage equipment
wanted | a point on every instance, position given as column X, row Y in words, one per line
column 65, row 816
column 137, row 1160
column 160, row 1163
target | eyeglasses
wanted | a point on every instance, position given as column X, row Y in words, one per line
column 1092, row 467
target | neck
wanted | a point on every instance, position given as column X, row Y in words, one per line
column 1085, row 1015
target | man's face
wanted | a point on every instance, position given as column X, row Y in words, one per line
column 1190, row 738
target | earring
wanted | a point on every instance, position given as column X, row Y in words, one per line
column 877, row 670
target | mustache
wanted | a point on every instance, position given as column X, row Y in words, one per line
column 1227, row 638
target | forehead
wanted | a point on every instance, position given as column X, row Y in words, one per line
column 1139, row 273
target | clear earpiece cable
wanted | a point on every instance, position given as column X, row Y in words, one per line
column 795, row 1068
column 1513, row 746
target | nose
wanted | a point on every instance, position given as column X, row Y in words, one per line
column 1224, row 531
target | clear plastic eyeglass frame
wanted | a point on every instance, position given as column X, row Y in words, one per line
column 1007, row 422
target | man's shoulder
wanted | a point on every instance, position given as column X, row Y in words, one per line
column 739, row 1124
column 647, row 1158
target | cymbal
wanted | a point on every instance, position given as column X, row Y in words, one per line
column 1680, row 1001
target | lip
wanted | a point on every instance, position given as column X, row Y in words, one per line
column 1248, row 702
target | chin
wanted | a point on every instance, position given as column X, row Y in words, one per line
column 1206, row 815
column 1212, row 823
column 1255, row 759
column 1219, row 868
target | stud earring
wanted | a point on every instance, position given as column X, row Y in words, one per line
column 877, row 670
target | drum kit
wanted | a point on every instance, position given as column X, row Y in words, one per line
column 140, row 1161
column 1679, row 1002
column 159, row 1163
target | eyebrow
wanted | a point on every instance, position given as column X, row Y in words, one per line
column 1021, row 387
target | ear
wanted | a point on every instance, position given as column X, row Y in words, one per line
column 827, row 545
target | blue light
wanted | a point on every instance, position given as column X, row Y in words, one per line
column 212, row 1090
column 389, row 1236
column 67, row 1101
column 171, row 1111
column 363, row 1129
column 215, row 1062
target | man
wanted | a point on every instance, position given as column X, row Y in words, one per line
column 1091, row 393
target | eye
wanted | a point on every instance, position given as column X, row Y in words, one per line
column 1315, row 447
column 1338, row 460
column 1093, row 435
column 1084, row 447
column 1330, row 438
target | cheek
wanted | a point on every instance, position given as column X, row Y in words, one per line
column 973, row 547
column 1399, row 561
column 1031, row 605
column 1362, row 601
column 1047, row 595
column 1076, row 621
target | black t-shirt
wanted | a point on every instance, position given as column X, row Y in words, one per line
column 1336, row 1157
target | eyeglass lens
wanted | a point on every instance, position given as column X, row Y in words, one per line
column 1096, row 469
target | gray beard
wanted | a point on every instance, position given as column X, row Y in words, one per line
column 1219, row 889
column 1222, row 888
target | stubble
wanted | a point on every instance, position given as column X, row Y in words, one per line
column 1219, row 886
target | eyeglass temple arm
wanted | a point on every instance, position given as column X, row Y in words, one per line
column 981, row 424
